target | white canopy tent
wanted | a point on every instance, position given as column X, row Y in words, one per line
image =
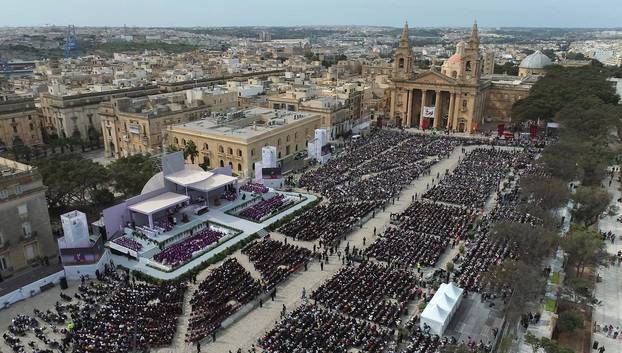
column 443, row 305
column 157, row 204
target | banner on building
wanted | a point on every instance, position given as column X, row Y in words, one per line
column 428, row 112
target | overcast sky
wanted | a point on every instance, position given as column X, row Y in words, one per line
column 428, row 13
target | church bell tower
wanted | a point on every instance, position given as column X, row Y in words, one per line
column 403, row 60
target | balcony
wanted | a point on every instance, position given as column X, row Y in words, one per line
column 29, row 237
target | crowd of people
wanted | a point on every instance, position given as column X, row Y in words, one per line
column 421, row 233
column 276, row 260
column 475, row 178
column 329, row 222
column 311, row 329
column 182, row 252
column 370, row 291
column 263, row 208
column 254, row 187
column 223, row 292
column 128, row 243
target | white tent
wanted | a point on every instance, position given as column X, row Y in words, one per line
column 443, row 305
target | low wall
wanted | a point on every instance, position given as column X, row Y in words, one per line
column 75, row 272
column 30, row 290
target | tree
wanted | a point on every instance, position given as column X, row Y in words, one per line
column 532, row 243
column 130, row 174
column 557, row 163
column 550, row 193
column 546, row 344
column 522, row 283
column 569, row 320
column 590, row 202
column 584, row 248
column 455, row 348
column 191, row 151
column 71, row 180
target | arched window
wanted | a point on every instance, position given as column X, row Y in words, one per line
column 231, row 165
column 205, row 146
column 222, row 163
column 230, row 150
column 183, row 142
column 176, row 141
column 252, row 152
column 221, row 149
column 239, row 151
column 239, row 167
column 401, row 63
column 468, row 66
column 287, row 138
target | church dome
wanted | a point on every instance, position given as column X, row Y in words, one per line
column 536, row 60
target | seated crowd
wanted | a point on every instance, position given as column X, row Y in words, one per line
column 328, row 222
column 128, row 243
column 372, row 292
column 263, row 208
column 123, row 316
column 276, row 260
column 182, row 252
column 475, row 178
column 254, row 187
column 311, row 329
column 223, row 292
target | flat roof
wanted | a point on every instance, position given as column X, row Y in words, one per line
column 188, row 176
column 158, row 203
column 255, row 122
column 213, row 182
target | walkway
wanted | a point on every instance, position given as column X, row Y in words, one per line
column 609, row 289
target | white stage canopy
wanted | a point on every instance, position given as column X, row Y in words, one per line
column 189, row 176
column 158, row 203
column 443, row 305
column 214, row 182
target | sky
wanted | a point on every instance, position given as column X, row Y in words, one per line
column 208, row 13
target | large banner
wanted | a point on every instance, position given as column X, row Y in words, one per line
column 428, row 112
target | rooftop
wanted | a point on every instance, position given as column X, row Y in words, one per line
column 245, row 124
column 9, row 168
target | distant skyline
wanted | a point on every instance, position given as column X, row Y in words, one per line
column 210, row 13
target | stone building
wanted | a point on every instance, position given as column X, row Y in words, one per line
column 534, row 64
column 137, row 125
column 237, row 140
column 461, row 96
column 19, row 122
column 26, row 238
column 75, row 115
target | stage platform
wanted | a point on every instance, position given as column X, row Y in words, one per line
column 216, row 215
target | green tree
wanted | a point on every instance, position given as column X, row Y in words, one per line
column 532, row 243
column 130, row 174
column 550, row 193
column 584, row 247
column 569, row 320
column 71, row 181
column 590, row 202
column 191, row 151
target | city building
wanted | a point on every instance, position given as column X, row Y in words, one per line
column 67, row 114
column 137, row 125
column 236, row 139
column 26, row 238
column 534, row 64
column 19, row 123
column 463, row 96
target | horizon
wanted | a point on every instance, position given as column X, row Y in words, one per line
column 281, row 13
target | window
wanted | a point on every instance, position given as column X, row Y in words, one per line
column 176, row 141
column 27, row 229
column 295, row 136
column 278, row 142
column 14, row 129
column 32, row 127
column 18, row 190
column 229, row 150
column 205, row 146
column 206, row 161
column 287, row 138
column 30, row 252
column 3, row 194
column 183, row 142
column 231, row 165
column 401, row 63
column 221, row 149
column 252, row 152
column 239, row 153
column 22, row 210
column 239, row 167
column 4, row 263
column 464, row 104
column 222, row 163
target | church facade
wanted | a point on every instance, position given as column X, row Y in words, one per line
column 461, row 96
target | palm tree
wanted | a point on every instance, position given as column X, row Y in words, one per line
column 191, row 151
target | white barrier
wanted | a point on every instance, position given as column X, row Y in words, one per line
column 29, row 290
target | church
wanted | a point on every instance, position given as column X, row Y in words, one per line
column 463, row 94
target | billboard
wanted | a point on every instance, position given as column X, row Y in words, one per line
column 428, row 112
column 271, row 173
